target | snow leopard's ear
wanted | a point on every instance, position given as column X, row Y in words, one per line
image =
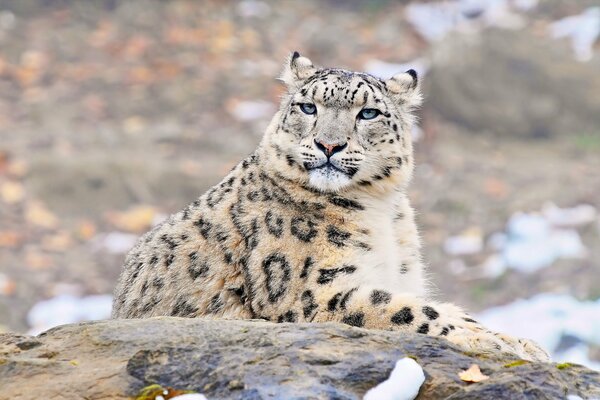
column 296, row 70
column 404, row 89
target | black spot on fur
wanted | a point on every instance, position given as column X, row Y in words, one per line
column 303, row 228
column 403, row 317
column 169, row 260
column 204, row 227
column 337, row 236
column 333, row 302
column 424, row 329
column 216, row 304
column 308, row 263
column 274, row 224
column 168, row 241
column 253, row 195
column 444, row 331
column 328, row 275
column 403, row 268
column 346, row 203
column 158, row 283
column 183, row 309
column 344, row 300
column 278, row 273
column 308, row 304
column 470, row 320
column 380, row 297
column 354, row 319
column 153, row 261
column 289, row 316
column 197, row 268
column 430, row 313
column 150, row 304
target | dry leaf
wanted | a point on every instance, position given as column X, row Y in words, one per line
column 10, row 239
column 37, row 214
column 473, row 374
column 137, row 219
column 60, row 241
column 12, row 192
column 7, row 285
column 86, row 230
column 17, row 168
column 36, row 260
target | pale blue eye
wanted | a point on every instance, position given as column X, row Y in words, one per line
column 308, row 108
column 368, row 113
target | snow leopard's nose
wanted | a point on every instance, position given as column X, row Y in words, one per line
column 328, row 148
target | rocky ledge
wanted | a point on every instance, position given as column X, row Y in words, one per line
column 258, row 360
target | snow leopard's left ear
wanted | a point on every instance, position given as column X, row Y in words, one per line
column 296, row 70
column 404, row 88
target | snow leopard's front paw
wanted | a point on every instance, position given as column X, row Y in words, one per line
column 486, row 342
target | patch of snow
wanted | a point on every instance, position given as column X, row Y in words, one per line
column 252, row 110
column 253, row 8
column 403, row 384
column 190, row 396
column 583, row 30
column 579, row 215
column 525, row 5
column 533, row 243
column 493, row 267
column 67, row 309
column 435, row 20
column 416, row 133
column 385, row 70
column 547, row 318
column 115, row 242
column 468, row 242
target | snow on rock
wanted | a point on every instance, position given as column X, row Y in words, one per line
column 385, row 70
column 67, row 309
column 468, row 242
column 403, row 384
column 580, row 215
column 435, row 20
column 251, row 110
column 583, row 30
column 549, row 319
column 189, row 396
column 115, row 242
column 533, row 242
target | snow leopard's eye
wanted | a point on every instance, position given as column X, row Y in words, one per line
column 308, row 108
column 368, row 113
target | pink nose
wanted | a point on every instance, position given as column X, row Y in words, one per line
column 328, row 148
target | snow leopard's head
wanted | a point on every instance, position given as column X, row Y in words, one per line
column 337, row 129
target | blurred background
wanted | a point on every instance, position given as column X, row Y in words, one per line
column 114, row 114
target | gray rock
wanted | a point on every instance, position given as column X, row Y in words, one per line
column 257, row 360
column 514, row 83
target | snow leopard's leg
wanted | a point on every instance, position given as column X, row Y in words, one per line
column 373, row 308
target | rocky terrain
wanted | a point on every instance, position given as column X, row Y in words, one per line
column 259, row 360
column 114, row 114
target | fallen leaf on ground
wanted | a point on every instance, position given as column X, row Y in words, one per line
column 7, row 285
column 36, row 260
column 37, row 214
column 86, row 230
column 12, row 192
column 136, row 219
column 473, row 374
column 10, row 239
column 60, row 241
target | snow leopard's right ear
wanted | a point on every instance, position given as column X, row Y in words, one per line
column 296, row 70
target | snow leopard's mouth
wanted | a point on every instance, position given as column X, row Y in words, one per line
column 326, row 167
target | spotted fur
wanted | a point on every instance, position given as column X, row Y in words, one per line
column 314, row 226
